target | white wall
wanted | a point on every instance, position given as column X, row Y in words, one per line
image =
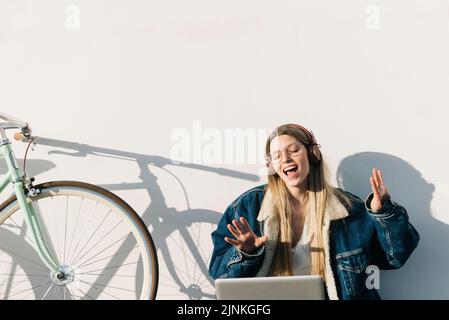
column 370, row 78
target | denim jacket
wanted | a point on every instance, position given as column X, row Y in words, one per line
column 355, row 238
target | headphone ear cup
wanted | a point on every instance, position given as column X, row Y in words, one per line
column 314, row 154
column 270, row 169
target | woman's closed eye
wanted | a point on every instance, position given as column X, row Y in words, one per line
column 291, row 152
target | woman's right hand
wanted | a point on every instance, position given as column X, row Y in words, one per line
column 246, row 240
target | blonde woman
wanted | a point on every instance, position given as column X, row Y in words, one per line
column 298, row 224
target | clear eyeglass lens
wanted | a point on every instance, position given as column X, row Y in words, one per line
column 294, row 151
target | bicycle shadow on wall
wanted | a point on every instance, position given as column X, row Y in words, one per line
column 424, row 276
column 182, row 238
column 34, row 166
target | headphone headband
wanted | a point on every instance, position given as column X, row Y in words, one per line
column 313, row 147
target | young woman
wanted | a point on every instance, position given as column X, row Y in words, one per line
column 298, row 224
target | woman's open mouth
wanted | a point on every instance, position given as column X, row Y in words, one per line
column 291, row 171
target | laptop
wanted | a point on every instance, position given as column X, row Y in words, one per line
column 271, row 288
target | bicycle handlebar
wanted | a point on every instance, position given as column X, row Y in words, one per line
column 12, row 123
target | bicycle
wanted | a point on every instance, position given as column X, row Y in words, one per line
column 56, row 237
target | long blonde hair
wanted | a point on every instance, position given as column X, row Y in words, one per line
column 317, row 194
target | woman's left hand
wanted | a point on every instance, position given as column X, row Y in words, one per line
column 379, row 189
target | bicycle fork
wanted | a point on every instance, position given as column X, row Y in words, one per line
column 39, row 233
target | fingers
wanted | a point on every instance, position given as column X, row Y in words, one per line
column 259, row 241
column 376, row 181
column 378, row 184
column 381, row 178
column 376, row 177
column 238, row 226
column 231, row 241
column 374, row 186
column 262, row 240
column 246, row 225
column 236, row 229
column 243, row 234
column 233, row 231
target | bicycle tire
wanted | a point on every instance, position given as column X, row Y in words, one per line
column 50, row 190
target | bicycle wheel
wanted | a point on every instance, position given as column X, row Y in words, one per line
column 185, row 275
column 102, row 245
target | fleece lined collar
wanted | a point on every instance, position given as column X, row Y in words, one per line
column 334, row 209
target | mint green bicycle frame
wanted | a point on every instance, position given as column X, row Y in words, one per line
column 38, row 230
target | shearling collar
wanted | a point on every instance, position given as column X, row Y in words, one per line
column 334, row 209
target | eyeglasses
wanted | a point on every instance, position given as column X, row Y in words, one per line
column 293, row 151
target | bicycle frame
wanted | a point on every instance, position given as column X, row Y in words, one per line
column 32, row 218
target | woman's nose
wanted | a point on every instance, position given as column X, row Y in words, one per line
column 285, row 158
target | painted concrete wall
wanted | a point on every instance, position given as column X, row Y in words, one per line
column 128, row 89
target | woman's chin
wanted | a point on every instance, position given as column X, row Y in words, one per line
column 293, row 183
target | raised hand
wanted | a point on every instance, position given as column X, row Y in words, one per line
column 245, row 239
column 379, row 189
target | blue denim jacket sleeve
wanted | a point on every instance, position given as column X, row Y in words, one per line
column 397, row 238
column 227, row 261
